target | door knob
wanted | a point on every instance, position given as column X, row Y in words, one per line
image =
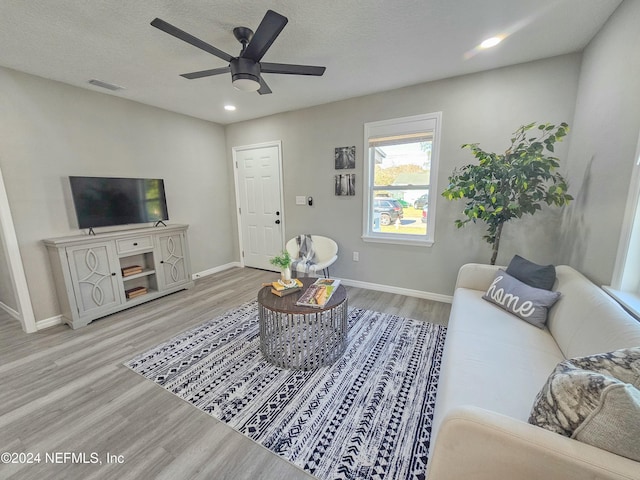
column 277, row 222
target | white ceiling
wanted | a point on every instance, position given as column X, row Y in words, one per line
column 367, row 45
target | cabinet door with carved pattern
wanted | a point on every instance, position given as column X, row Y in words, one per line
column 172, row 266
column 94, row 274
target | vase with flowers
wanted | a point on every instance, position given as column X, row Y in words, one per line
column 283, row 262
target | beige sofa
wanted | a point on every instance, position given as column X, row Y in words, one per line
column 493, row 366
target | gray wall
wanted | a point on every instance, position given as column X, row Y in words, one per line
column 485, row 107
column 49, row 131
column 603, row 144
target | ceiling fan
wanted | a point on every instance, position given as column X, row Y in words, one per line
column 246, row 68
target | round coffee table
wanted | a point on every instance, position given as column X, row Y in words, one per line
column 298, row 337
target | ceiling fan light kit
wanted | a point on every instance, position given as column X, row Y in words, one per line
column 246, row 68
column 245, row 74
column 245, row 84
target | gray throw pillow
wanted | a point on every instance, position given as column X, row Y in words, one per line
column 529, row 303
column 534, row 275
column 595, row 400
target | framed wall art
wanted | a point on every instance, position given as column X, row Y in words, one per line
column 345, row 184
column 345, row 157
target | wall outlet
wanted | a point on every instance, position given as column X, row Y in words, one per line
column 301, row 200
column 356, row 256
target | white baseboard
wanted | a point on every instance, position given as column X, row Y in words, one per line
column 40, row 324
column 213, row 270
column 49, row 322
column 58, row 320
column 10, row 311
column 437, row 297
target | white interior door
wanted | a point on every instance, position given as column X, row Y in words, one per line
column 259, row 195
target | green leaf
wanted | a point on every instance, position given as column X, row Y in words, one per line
column 499, row 187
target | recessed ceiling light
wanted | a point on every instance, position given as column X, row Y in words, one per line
column 491, row 42
column 229, row 108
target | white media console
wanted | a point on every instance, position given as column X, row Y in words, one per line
column 97, row 275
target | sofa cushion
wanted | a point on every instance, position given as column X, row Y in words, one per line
column 586, row 321
column 534, row 275
column 491, row 359
column 594, row 399
column 529, row 303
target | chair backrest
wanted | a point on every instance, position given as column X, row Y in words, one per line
column 324, row 247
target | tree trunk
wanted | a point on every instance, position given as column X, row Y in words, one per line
column 496, row 244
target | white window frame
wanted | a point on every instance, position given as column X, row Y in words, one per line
column 401, row 126
column 625, row 284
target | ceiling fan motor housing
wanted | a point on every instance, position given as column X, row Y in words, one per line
column 245, row 68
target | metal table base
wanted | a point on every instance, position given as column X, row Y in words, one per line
column 303, row 338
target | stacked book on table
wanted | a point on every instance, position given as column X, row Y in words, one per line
column 282, row 289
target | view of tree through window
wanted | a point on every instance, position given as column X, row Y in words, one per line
column 401, row 180
column 401, row 172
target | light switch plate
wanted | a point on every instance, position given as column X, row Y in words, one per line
column 301, row 200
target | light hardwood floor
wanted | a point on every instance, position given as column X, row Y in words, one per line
column 67, row 391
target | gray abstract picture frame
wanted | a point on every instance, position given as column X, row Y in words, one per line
column 345, row 184
column 345, row 157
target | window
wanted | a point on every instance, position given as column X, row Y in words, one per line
column 400, row 179
column 625, row 285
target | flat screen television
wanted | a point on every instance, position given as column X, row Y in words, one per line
column 104, row 201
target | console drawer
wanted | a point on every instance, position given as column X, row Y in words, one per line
column 134, row 244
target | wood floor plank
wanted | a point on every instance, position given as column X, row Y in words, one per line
column 67, row 391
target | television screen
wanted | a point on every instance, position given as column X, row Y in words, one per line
column 102, row 201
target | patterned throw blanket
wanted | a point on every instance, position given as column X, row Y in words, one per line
column 306, row 254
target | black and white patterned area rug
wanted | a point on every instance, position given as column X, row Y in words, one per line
column 367, row 416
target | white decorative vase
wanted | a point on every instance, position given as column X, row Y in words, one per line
column 286, row 274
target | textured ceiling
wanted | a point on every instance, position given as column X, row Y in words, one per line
column 367, row 45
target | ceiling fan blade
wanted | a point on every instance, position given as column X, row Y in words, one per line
column 292, row 69
column 268, row 30
column 206, row 73
column 264, row 88
column 187, row 37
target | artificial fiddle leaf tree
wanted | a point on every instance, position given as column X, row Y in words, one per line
column 505, row 186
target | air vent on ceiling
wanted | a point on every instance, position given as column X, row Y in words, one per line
column 108, row 86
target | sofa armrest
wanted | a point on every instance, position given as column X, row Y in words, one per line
column 476, row 276
column 480, row 444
